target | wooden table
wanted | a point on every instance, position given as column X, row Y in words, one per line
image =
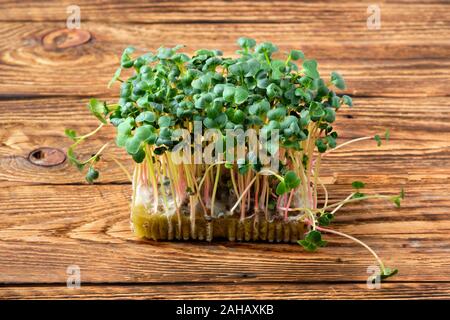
column 50, row 219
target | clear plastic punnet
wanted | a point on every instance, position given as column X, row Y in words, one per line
column 162, row 210
column 229, row 148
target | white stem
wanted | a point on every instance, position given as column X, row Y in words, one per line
column 121, row 166
column 346, row 143
column 340, row 206
column 377, row 196
column 243, row 194
column 357, row 241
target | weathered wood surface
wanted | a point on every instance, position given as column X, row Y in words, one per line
column 399, row 76
column 418, row 150
column 302, row 291
column 371, row 67
column 62, row 225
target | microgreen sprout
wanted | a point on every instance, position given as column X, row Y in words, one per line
column 260, row 89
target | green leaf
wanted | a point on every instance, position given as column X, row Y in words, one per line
column 238, row 116
column 337, row 80
column 330, row 115
column 139, row 156
column 92, row 175
column 197, row 84
column 316, row 111
column 98, row 109
column 325, row 219
column 209, row 123
column 312, row 240
column 388, row 272
column 70, row 134
column 402, row 194
column 297, row 54
column 266, row 48
column 218, row 89
column 347, row 100
column 126, row 61
column 124, row 132
column 314, row 236
column 263, row 83
column 115, row 77
column 146, row 116
column 277, row 69
column 310, row 69
column 335, row 102
column 260, row 107
column 396, row 201
column 274, row 91
column 377, row 139
column 253, row 67
column 281, row 188
column 291, row 180
column 387, row 135
column 228, row 93
column 331, row 141
column 246, row 43
column 240, row 95
column 143, row 133
column 133, row 145
column 358, row 184
column 276, row 114
column 358, row 195
column 308, row 246
column 164, row 121
column 321, row 146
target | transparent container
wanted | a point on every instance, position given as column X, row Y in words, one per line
column 166, row 208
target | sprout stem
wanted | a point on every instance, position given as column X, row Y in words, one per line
column 357, row 241
column 346, row 143
column 326, row 193
column 376, row 196
column 340, row 206
column 216, row 183
column 80, row 138
column 243, row 194
column 288, row 204
column 121, row 166
column 233, row 181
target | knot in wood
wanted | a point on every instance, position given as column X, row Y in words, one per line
column 65, row 38
column 47, row 157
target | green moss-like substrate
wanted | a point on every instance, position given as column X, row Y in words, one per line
column 255, row 228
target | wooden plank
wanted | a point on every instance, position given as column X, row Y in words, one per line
column 49, row 221
column 417, row 152
column 44, row 229
column 399, row 62
column 302, row 291
column 222, row 11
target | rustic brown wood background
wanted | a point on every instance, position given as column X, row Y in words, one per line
column 49, row 219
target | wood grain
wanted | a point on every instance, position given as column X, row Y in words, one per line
column 175, row 12
column 28, row 68
column 301, row 291
column 44, row 229
column 418, row 151
column 398, row 75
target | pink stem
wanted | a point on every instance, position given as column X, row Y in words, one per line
column 206, row 192
column 288, row 205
